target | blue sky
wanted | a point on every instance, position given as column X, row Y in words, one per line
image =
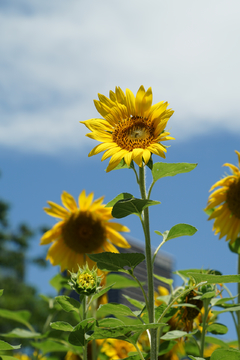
column 56, row 56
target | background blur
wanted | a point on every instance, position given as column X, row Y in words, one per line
column 57, row 55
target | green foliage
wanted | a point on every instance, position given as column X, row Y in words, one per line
column 235, row 246
column 225, row 354
column 5, row 346
column 161, row 169
column 126, row 207
column 116, row 262
column 68, row 303
column 120, row 282
column 215, row 279
column 177, row 231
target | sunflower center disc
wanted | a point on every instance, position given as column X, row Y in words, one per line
column 233, row 198
column 132, row 133
column 83, row 232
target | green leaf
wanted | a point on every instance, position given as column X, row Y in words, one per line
column 138, row 304
column 218, row 302
column 21, row 316
column 120, row 281
column 217, row 328
column 1, row 292
column 5, row 346
column 122, row 196
column 61, row 325
column 195, row 358
column 163, row 279
column 102, row 292
column 50, row 346
column 110, row 322
column 235, row 246
column 116, row 262
column 21, row 333
column 215, row 279
column 77, row 336
column 114, row 309
column 177, row 231
column 175, row 334
column 134, row 206
column 123, row 332
column 214, row 340
column 225, row 354
column 228, row 309
column 59, row 282
column 67, row 303
column 161, row 169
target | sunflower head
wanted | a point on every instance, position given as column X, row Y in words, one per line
column 225, row 204
column 131, row 129
column 83, row 228
column 85, row 281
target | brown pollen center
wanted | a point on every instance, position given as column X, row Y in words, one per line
column 83, row 232
column 233, row 198
column 134, row 132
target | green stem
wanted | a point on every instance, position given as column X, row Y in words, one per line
column 141, row 287
column 84, row 316
column 238, row 312
column 231, row 312
column 148, row 254
column 206, row 303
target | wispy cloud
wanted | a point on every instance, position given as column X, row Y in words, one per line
column 56, row 56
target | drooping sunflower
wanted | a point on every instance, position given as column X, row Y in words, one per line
column 132, row 128
column 226, row 203
column 81, row 230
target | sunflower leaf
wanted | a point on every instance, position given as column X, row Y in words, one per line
column 77, row 336
column 122, row 196
column 6, row 346
column 214, row 279
column 125, row 331
column 21, row 316
column 61, row 325
column 235, row 246
column 161, row 170
column 21, row 333
column 177, row 231
column 114, row 309
column 67, row 303
column 126, row 207
column 225, row 354
column 121, row 282
column 1, row 292
column 108, row 261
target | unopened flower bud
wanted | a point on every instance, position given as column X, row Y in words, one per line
column 85, row 281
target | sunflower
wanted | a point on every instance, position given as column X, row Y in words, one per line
column 117, row 349
column 81, row 230
column 132, row 128
column 226, row 204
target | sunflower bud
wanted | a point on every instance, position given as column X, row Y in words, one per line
column 85, row 281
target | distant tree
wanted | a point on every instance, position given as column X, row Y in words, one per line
column 18, row 295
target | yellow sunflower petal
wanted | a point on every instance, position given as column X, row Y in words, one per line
column 139, row 99
column 68, row 201
column 116, row 238
column 56, row 252
column 232, row 167
column 118, row 227
column 110, row 247
column 137, row 155
column 121, row 98
column 56, row 210
column 101, row 147
column 130, row 103
column 146, row 102
column 52, row 234
column 128, row 158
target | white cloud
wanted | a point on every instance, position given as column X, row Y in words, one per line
column 56, row 56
